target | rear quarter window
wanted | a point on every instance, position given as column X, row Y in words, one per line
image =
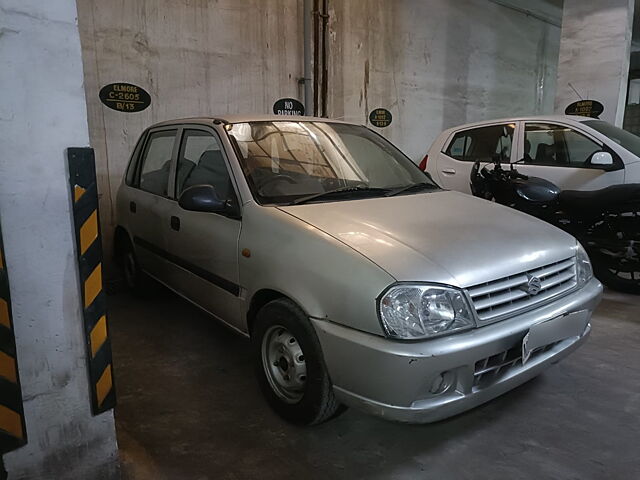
column 133, row 161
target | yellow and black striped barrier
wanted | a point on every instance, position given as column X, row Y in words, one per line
column 82, row 177
column 13, row 433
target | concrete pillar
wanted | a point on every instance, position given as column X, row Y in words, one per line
column 594, row 55
column 42, row 112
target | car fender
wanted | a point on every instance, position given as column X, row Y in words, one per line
column 632, row 172
column 326, row 278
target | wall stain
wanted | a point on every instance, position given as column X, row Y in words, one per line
column 366, row 88
column 5, row 30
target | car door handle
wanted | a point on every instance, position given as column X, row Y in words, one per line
column 132, row 207
column 449, row 171
column 175, row 223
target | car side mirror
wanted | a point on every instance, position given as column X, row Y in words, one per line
column 601, row 159
column 202, row 198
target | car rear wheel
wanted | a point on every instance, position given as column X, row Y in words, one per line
column 135, row 279
column 289, row 365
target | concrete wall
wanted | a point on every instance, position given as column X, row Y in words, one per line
column 439, row 63
column 42, row 112
column 433, row 63
column 195, row 57
column 594, row 55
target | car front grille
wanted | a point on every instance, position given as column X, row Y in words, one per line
column 490, row 369
column 506, row 296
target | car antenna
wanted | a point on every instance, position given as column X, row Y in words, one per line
column 573, row 88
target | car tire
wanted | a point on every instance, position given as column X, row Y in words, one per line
column 135, row 279
column 289, row 365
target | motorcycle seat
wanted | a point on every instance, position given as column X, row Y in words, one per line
column 597, row 199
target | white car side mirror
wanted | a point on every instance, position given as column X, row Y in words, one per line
column 603, row 159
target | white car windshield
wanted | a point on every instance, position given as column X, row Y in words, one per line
column 293, row 161
column 623, row 138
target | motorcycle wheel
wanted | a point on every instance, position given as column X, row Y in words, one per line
column 615, row 253
column 612, row 279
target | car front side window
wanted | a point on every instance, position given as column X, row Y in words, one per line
column 557, row 145
column 201, row 162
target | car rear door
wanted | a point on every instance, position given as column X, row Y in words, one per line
column 560, row 153
column 203, row 246
column 148, row 200
column 464, row 147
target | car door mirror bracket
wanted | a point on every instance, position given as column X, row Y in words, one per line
column 203, row 198
column 603, row 159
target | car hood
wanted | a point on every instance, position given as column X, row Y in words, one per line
column 445, row 237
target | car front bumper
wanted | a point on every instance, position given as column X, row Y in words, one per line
column 427, row 381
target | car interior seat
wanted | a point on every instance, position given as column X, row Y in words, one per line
column 544, row 154
column 211, row 170
column 185, row 167
column 156, row 180
column 527, row 151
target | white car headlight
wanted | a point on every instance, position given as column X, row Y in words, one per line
column 584, row 271
column 411, row 312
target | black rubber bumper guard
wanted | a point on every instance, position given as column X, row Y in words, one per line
column 13, row 433
column 84, row 192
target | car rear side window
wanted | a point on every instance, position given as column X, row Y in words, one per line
column 483, row 143
column 156, row 162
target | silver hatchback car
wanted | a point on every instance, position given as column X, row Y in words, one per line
column 359, row 281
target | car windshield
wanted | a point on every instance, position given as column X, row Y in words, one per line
column 294, row 162
column 623, row 138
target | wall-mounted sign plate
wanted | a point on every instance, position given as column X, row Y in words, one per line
column 288, row 106
column 380, row 117
column 585, row 108
column 124, row 97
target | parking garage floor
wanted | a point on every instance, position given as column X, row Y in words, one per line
column 189, row 409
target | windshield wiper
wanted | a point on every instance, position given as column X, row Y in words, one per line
column 329, row 193
column 415, row 186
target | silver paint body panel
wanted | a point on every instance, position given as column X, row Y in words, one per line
column 444, row 237
column 392, row 379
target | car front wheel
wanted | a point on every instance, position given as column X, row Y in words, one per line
column 289, row 365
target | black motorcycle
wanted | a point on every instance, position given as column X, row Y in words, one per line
column 606, row 221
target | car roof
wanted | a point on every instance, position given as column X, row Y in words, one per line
column 537, row 118
column 242, row 118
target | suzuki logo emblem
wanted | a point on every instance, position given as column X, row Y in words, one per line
column 533, row 285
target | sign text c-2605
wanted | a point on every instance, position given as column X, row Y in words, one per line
column 125, row 97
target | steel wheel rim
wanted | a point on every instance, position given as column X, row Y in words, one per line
column 284, row 364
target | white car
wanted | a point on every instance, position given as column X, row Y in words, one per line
column 575, row 153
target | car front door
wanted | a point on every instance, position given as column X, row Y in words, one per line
column 561, row 154
column 203, row 246
column 149, row 201
column 482, row 144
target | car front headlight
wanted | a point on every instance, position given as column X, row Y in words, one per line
column 411, row 312
column 584, row 270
